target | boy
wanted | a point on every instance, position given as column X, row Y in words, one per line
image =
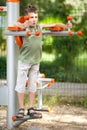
column 29, row 60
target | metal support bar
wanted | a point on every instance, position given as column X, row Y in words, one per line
column 15, row 33
column 52, row 33
column 42, row 84
column 58, row 33
column 18, row 122
column 39, row 92
column 46, row 79
column 4, row 95
column 12, row 16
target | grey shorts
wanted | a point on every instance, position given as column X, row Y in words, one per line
column 26, row 70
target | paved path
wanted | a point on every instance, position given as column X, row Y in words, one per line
column 63, row 117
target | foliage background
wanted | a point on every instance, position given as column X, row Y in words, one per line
column 66, row 66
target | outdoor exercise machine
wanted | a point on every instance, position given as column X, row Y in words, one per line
column 12, row 9
column 41, row 83
column 12, row 49
column 53, row 31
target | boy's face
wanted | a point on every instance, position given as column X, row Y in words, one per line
column 33, row 19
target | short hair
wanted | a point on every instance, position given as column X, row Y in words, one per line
column 30, row 9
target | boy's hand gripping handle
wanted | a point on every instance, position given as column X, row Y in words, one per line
column 69, row 18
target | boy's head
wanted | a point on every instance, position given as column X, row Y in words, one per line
column 33, row 14
column 30, row 9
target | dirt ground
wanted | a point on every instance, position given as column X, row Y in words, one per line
column 64, row 117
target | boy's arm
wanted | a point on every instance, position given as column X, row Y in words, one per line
column 65, row 26
column 22, row 25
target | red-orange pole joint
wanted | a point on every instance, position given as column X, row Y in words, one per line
column 43, row 76
column 52, row 80
column 70, row 33
column 13, row 0
column 48, row 84
column 1, row 8
column 28, row 33
column 69, row 18
column 79, row 33
column 37, row 33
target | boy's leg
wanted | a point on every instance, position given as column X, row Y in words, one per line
column 21, row 105
column 20, row 86
column 21, row 99
column 31, row 96
column 33, row 76
column 31, row 110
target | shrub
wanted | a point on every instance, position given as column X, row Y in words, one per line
column 2, row 67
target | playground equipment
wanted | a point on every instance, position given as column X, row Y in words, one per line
column 53, row 31
column 11, row 102
column 41, row 84
column 12, row 6
column 40, row 88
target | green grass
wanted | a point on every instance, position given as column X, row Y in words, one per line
column 47, row 100
column 55, row 100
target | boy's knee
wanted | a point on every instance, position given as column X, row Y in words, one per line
column 20, row 90
column 32, row 89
